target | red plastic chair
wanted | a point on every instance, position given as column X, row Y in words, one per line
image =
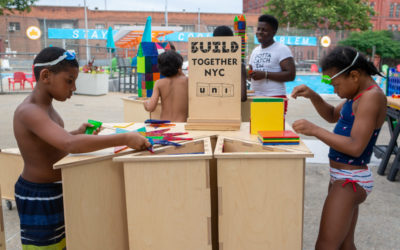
column 19, row 77
column 32, row 79
column 314, row 68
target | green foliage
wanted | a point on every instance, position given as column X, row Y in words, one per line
column 323, row 14
column 383, row 41
column 19, row 5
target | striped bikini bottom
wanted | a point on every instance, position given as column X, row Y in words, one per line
column 362, row 177
column 41, row 214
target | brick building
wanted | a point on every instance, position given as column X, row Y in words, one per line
column 387, row 15
column 13, row 26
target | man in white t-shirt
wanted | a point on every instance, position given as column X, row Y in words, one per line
column 271, row 63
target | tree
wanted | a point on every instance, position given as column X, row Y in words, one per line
column 385, row 44
column 323, row 14
column 19, row 5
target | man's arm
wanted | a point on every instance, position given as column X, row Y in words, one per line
column 288, row 72
column 151, row 104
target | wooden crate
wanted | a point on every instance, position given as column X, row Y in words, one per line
column 168, row 197
column 11, row 166
column 134, row 110
column 94, row 202
column 260, row 195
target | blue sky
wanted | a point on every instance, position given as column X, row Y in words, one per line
column 219, row 6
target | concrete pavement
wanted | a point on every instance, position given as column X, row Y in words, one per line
column 378, row 224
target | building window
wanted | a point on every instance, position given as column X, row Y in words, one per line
column 391, row 10
column 100, row 26
column 372, row 5
column 397, row 10
column 211, row 28
column 390, row 27
column 60, row 24
column 395, row 27
column 14, row 26
column 187, row 28
column 119, row 26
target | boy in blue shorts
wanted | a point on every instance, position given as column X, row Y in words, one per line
column 42, row 141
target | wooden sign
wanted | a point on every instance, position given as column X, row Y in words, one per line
column 214, row 83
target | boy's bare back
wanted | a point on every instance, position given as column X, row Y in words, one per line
column 174, row 97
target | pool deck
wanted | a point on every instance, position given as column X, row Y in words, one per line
column 378, row 224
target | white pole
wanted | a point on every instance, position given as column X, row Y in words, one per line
column 45, row 32
column 166, row 13
column 198, row 20
column 105, row 4
column 87, row 35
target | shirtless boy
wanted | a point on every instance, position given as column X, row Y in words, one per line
column 173, row 89
column 42, row 141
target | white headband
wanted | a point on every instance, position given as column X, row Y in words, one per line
column 66, row 55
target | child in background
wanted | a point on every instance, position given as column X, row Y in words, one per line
column 226, row 31
column 271, row 63
column 173, row 89
column 42, row 141
column 359, row 119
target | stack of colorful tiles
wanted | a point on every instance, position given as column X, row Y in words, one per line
column 147, row 69
column 286, row 137
column 239, row 25
column 267, row 113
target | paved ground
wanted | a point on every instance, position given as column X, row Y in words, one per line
column 379, row 222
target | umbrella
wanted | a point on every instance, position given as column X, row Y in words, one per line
column 110, row 40
column 110, row 46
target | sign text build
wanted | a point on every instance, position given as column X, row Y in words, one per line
column 214, row 83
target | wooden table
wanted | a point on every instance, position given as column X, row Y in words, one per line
column 168, row 194
column 100, row 190
column 393, row 116
column 134, row 110
column 257, row 192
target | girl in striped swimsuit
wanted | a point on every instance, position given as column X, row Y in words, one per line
column 359, row 119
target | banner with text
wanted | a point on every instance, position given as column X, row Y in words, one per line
column 293, row 40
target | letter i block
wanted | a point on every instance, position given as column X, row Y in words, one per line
column 227, row 90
